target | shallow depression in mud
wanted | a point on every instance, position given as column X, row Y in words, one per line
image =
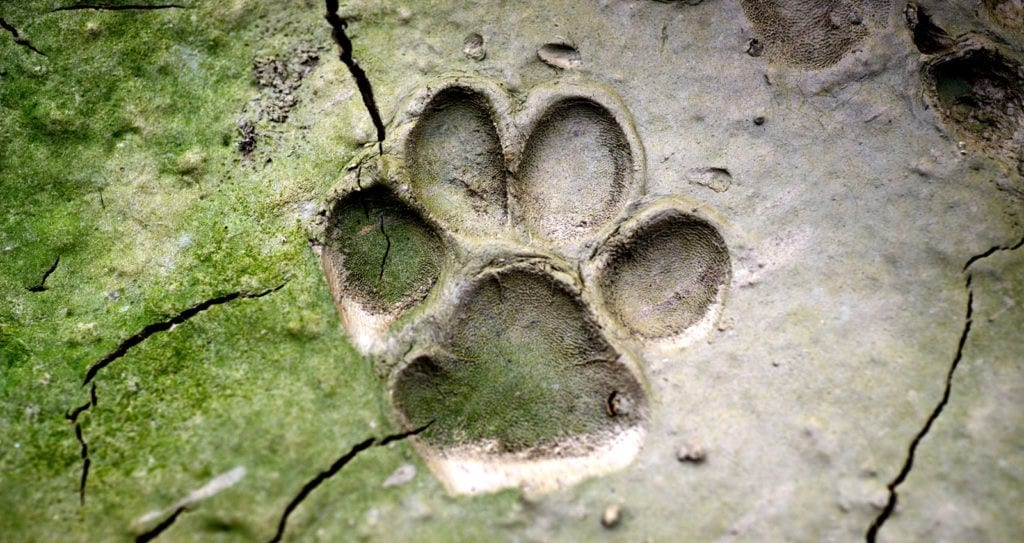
column 525, row 369
column 978, row 91
column 575, row 171
column 380, row 251
column 665, row 276
column 455, row 159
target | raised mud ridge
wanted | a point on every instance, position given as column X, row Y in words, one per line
column 501, row 262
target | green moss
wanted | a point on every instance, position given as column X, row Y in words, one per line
column 117, row 153
column 389, row 254
column 528, row 370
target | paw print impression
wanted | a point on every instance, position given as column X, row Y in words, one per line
column 501, row 262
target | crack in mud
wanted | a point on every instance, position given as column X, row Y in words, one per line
column 335, row 467
column 166, row 325
column 86, row 462
column 387, row 249
column 46, row 275
column 18, row 39
column 908, row 464
column 72, row 415
column 159, row 528
column 114, row 7
column 991, row 251
column 338, row 26
column 403, row 435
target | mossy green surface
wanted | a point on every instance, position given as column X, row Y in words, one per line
column 118, row 153
column 389, row 254
column 528, row 369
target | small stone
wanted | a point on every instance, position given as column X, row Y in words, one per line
column 404, row 474
column 758, row 120
column 560, row 55
column 618, row 405
column 691, row 452
column 755, row 48
column 473, row 47
column 611, row 516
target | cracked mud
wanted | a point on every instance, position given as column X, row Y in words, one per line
column 160, row 528
column 338, row 26
column 761, row 296
column 165, row 325
column 333, row 470
column 18, row 38
column 73, row 415
column 46, row 275
column 891, row 503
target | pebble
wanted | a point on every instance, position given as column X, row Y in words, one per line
column 473, row 47
column 619, row 405
column 691, row 452
column 611, row 516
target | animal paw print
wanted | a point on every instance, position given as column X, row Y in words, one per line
column 501, row 262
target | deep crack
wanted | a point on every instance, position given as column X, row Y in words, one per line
column 908, row 464
column 159, row 528
column 114, row 7
column 163, row 326
column 338, row 26
column 72, row 415
column 335, row 467
column 387, row 249
column 46, row 275
column 991, row 251
column 84, row 452
column 18, row 39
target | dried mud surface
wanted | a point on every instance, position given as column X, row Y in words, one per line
column 848, row 171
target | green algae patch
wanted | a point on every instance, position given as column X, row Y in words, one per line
column 387, row 255
column 527, row 369
column 119, row 154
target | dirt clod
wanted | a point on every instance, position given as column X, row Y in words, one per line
column 279, row 78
